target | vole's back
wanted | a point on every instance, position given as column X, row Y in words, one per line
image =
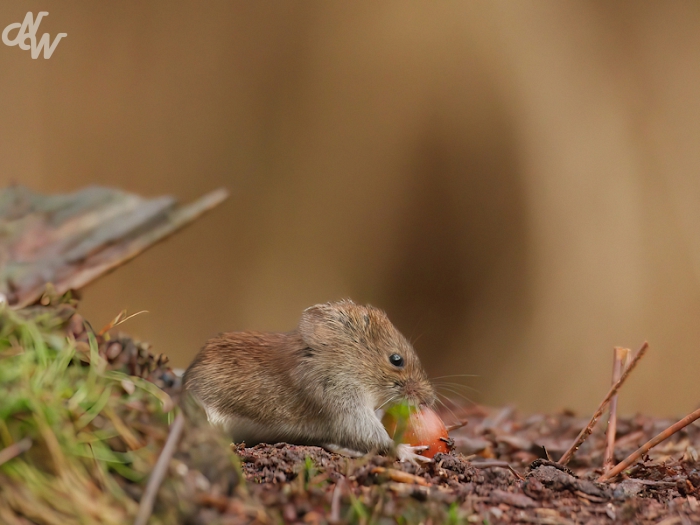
column 244, row 373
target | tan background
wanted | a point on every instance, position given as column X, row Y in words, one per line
column 516, row 183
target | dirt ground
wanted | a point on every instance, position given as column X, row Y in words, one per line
column 496, row 474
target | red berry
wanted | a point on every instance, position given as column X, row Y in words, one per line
column 423, row 427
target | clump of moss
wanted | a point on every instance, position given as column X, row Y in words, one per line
column 78, row 438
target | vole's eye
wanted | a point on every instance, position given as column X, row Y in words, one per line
column 396, row 360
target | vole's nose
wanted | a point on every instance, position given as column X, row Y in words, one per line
column 419, row 393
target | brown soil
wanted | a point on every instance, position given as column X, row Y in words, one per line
column 473, row 484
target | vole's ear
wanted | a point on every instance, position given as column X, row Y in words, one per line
column 318, row 324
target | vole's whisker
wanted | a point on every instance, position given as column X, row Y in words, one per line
column 416, row 325
column 392, row 398
column 450, row 400
column 458, row 394
column 454, row 375
column 446, row 407
column 414, row 341
column 454, row 385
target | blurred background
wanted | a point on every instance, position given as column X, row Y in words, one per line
column 516, row 183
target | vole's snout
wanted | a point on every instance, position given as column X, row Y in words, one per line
column 419, row 392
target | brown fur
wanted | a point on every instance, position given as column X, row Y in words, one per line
column 319, row 384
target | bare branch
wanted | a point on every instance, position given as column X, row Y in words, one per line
column 646, row 447
column 620, row 356
column 599, row 412
column 159, row 471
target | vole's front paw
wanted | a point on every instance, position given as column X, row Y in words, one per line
column 410, row 454
column 336, row 449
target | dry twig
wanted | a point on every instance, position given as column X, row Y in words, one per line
column 599, row 412
column 498, row 464
column 335, row 501
column 119, row 319
column 159, row 471
column 399, row 476
column 620, row 356
column 459, row 425
column 646, row 447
